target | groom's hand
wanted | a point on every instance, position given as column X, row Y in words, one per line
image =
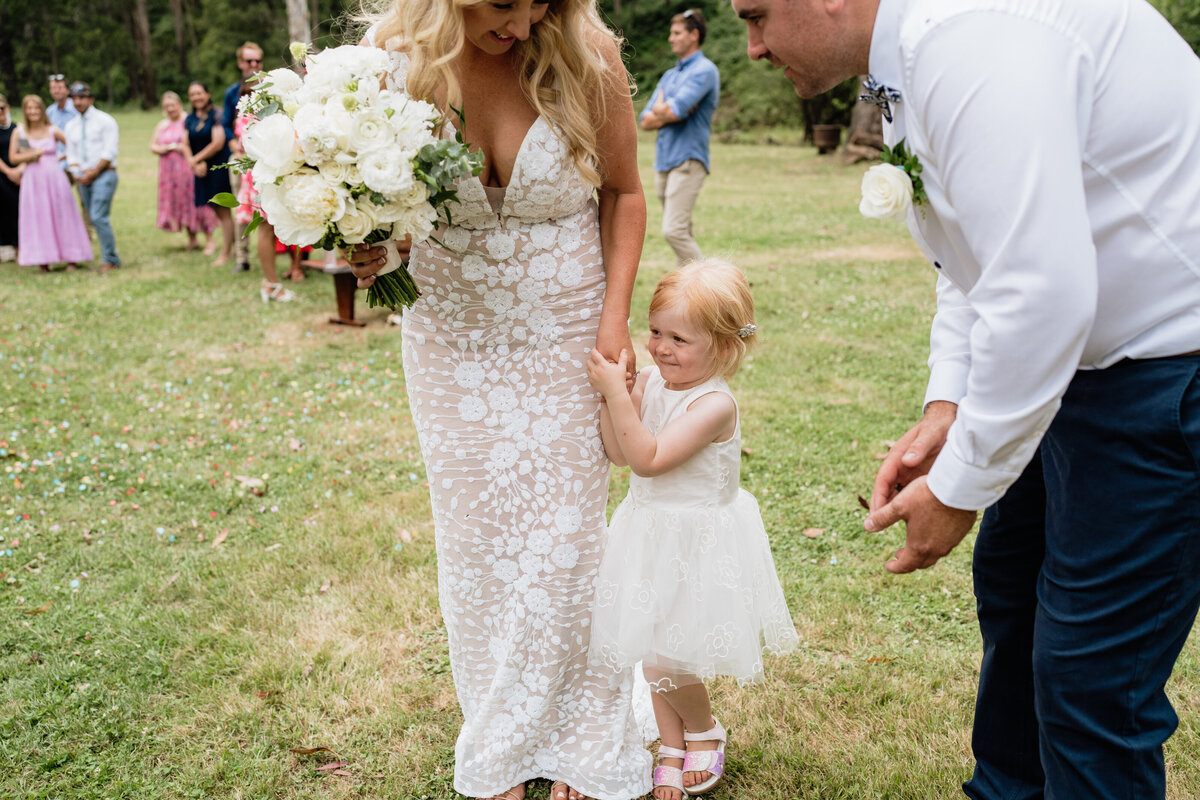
column 933, row 528
column 913, row 455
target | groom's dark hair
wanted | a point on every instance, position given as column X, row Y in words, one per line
column 693, row 20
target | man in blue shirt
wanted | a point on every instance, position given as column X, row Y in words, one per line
column 681, row 110
column 249, row 61
column 60, row 112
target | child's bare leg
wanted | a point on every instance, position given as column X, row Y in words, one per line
column 670, row 730
column 691, row 703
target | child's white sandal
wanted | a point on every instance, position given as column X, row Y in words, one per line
column 712, row 761
column 671, row 777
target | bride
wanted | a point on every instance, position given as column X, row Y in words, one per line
column 536, row 270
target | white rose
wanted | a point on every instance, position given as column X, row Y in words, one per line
column 301, row 206
column 887, row 192
column 356, row 223
column 417, row 222
column 402, row 204
column 385, row 172
column 271, row 142
column 369, row 131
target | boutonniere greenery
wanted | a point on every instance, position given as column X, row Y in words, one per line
column 891, row 188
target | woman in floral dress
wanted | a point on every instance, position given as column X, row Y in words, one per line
column 536, row 270
column 177, row 210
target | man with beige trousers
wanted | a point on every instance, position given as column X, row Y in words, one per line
column 681, row 110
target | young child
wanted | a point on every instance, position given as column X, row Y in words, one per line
column 687, row 585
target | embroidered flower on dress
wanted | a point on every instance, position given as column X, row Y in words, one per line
column 718, row 643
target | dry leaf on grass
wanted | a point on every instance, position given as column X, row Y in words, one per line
column 813, row 533
column 331, row 765
column 325, row 587
column 862, row 501
column 40, row 609
column 308, row 751
column 879, row 660
column 257, row 486
column 220, row 537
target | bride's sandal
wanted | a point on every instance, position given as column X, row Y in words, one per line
column 511, row 794
column 671, row 777
column 711, row 761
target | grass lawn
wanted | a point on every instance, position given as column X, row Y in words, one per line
column 170, row 627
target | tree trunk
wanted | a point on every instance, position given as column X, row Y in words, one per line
column 141, row 38
column 314, row 16
column 864, row 142
column 299, row 29
column 51, row 44
column 180, row 35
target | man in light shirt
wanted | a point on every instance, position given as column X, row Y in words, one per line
column 92, row 141
column 60, row 111
column 249, row 62
column 681, row 109
column 1063, row 393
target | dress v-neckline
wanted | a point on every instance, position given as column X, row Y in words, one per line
column 516, row 159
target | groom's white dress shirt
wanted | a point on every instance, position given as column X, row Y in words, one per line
column 1063, row 177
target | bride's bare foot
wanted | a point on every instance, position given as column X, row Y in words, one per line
column 515, row 793
column 561, row 791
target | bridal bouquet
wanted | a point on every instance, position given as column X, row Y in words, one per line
column 339, row 161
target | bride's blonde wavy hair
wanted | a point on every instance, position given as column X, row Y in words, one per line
column 560, row 66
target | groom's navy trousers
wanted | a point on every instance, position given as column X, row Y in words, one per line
column 1087, row 579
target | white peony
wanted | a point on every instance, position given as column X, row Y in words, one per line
column 887, row 192
column 272, row 143
column 282, row 83
column 318, row 139
column 386, row 172
column 302, row 205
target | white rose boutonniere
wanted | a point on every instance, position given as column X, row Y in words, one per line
column 891, row 188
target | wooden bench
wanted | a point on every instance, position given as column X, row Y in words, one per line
column 344, row 285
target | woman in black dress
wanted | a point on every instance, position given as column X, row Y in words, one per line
column 206, row 138
column 10, row 178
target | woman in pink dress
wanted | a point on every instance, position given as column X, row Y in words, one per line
column 50, row 228
column 176, row 208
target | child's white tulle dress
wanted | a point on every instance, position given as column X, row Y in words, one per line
column 687, row 582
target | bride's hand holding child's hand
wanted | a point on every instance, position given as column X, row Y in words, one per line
column 367, row 259
column 605, row 376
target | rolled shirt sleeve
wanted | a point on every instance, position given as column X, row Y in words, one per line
column 692, row 86
column 1017, row 334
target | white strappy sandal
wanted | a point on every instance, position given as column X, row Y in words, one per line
column 275, row 291
column 706, row 760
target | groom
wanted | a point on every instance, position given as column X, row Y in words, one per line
column 1060, row 145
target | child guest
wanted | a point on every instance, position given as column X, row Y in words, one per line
column 687, row 585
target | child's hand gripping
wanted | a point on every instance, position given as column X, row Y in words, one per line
column 605, row 376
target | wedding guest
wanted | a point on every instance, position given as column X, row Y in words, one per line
column 1064, row 395
column 272, row 288
column 177, row 210
column 92, row 143
column 10, row 180
column 249, row 61
column 680, row 433
column 60, row 112
column 680, row 109
column 535, row 272
column 50, row 229
column 206, row 141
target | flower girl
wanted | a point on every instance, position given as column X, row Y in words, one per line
column 687, row 585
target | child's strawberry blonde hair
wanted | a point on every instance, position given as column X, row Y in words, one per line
column 717, row 300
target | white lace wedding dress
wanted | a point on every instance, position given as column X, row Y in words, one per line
column 494, row 356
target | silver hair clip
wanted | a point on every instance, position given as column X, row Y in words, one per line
column 749, row 329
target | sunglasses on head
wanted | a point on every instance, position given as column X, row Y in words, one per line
column 59, row 77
